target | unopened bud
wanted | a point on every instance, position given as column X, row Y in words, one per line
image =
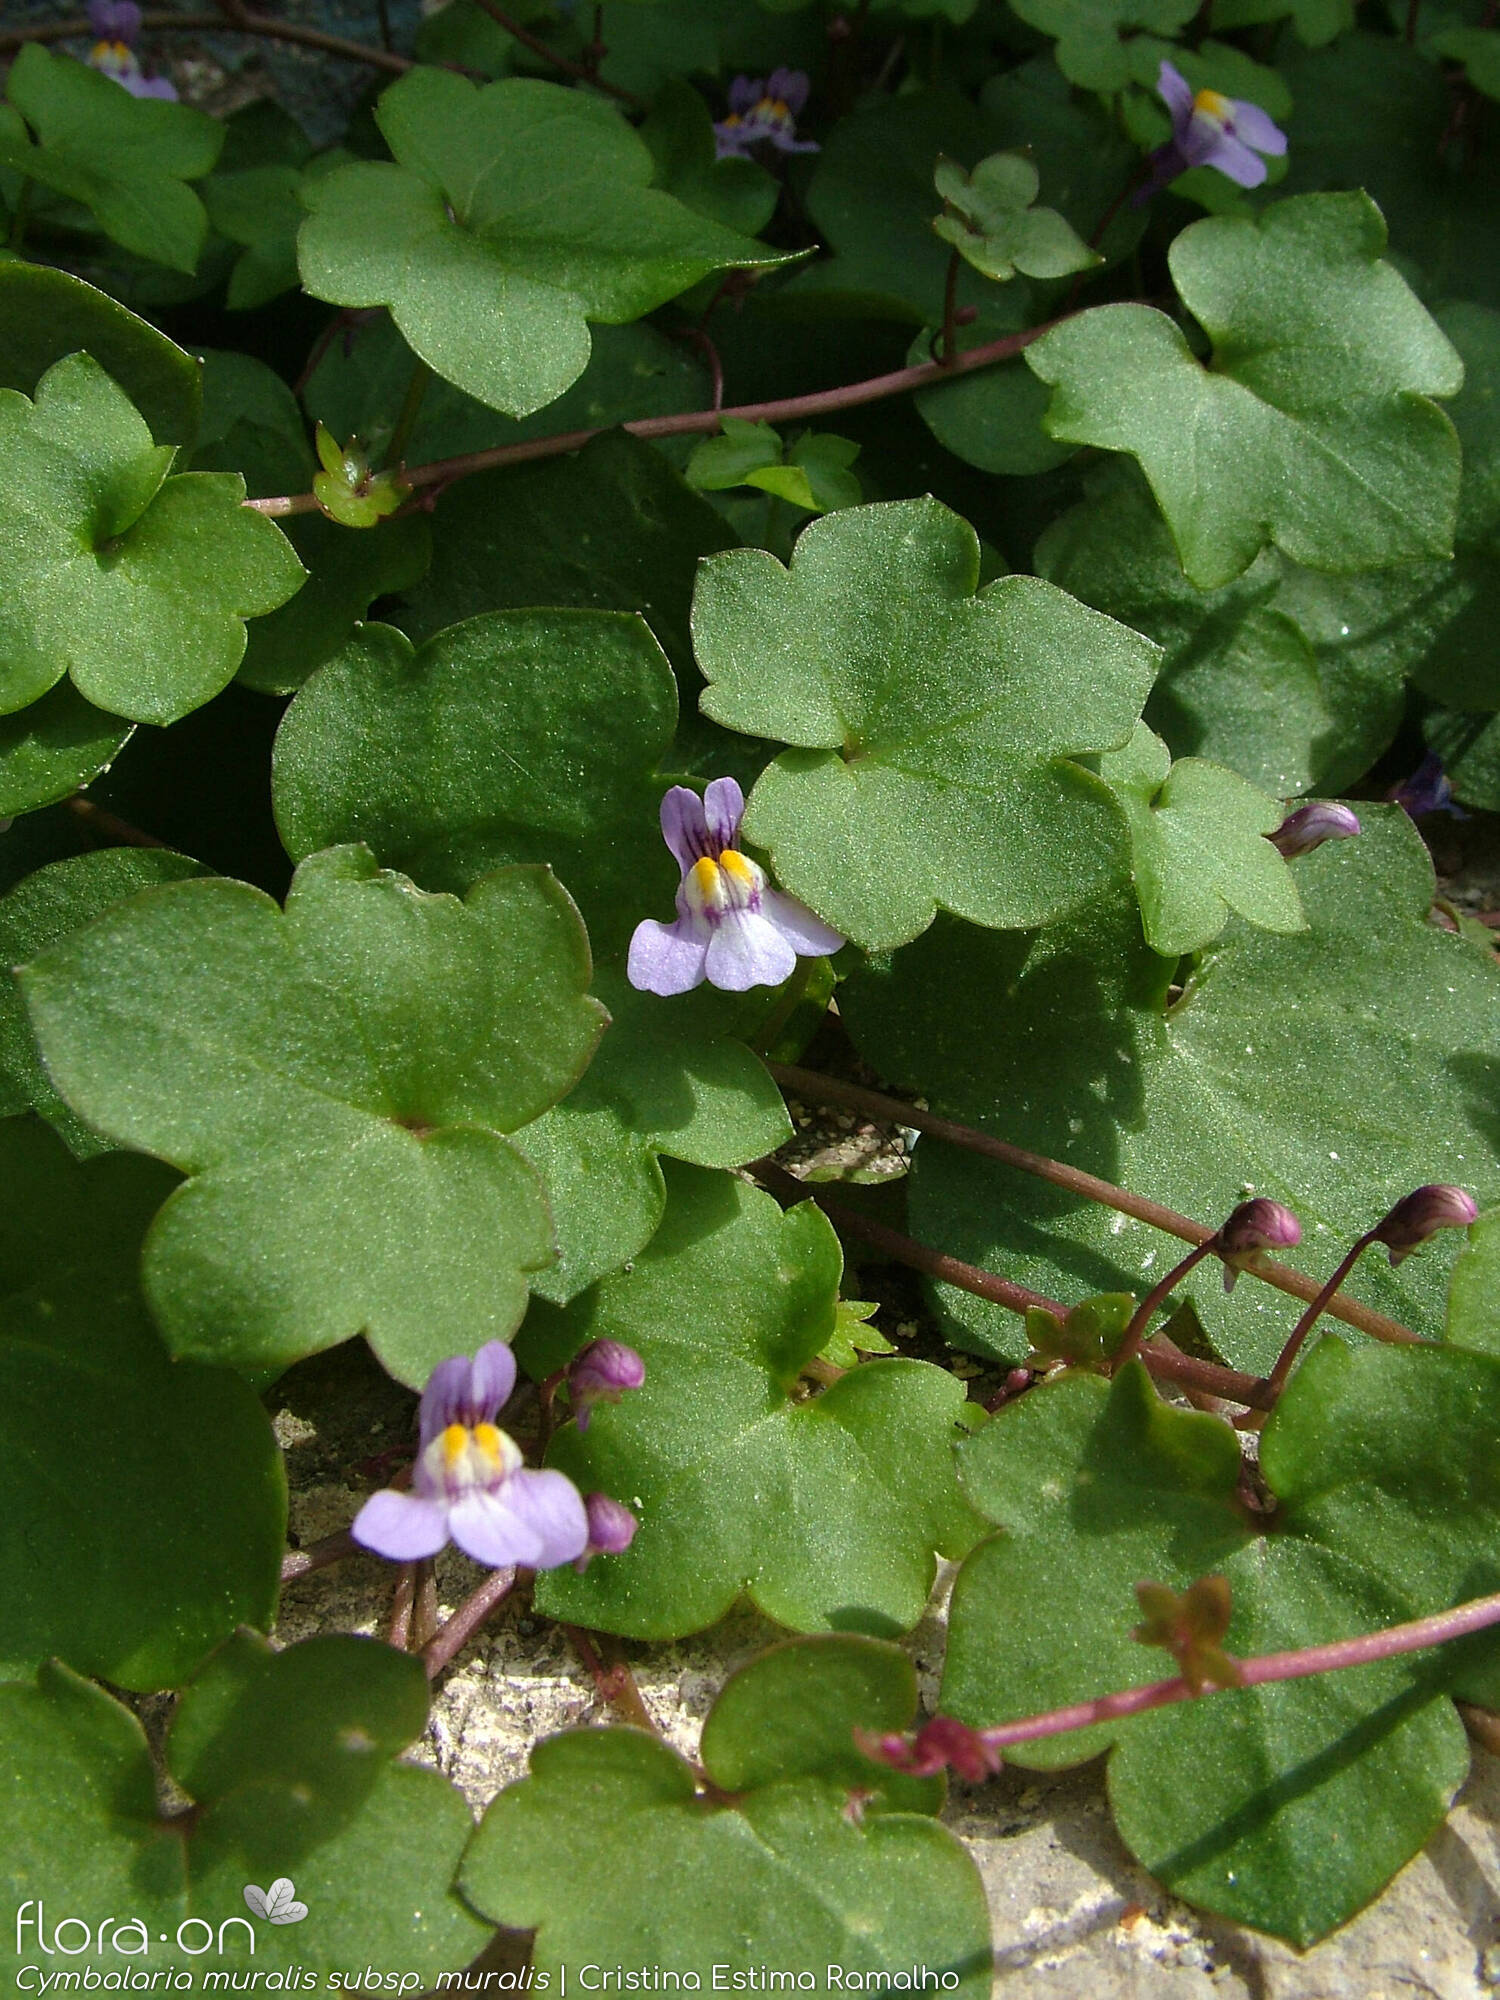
column 611, row 1529
column 1310, row 825
column 1252, row 1229
column 1422, row 1214
column 1427, row 790
column 601, row 1374
column 938, row 1745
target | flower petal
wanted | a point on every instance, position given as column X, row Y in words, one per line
column 445, row 1397
column 748, row 950
column 535, row 1518
column 491, row 1380
column 667, row 958
column 683, row 826
column 723, row 809
column 1233, row 158
column 790, row 86
column 400, row 1526
column 1177, row 94
column 808, row 935
column 1257, row 129
column 744, row 92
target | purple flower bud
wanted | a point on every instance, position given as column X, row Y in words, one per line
column 602, row 1373
column 937, row 1745
column 1310, row 825
column 1252, row 1229
column 1422, row 1214
column 611, row 1529
column 1427, row 790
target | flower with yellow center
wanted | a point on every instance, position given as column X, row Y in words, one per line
column 732, row 929
column 1212, row 130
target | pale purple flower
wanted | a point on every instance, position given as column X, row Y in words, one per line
column 1422, row 1214
column 119, row 64
column 1211, row 130
column 1310, row 825
column 1427, row 790
column 601, row 1373
column 764, row 113
column 115, row 20
column 732, row 928
column 469, row 1485
column 1252, row 1229
column 611, row 1529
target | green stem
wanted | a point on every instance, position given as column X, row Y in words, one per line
column 411, row 409
column 764, row 1038
column 949, row 352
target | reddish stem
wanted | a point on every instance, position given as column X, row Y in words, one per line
column 1315, row 1311
column 244, row 23
column 1135, row 1333
column 1167, row 1363
column 614, row 1682
column 318, row 1555
column 580, row 72
column 456, row 1633
column 108, row 825
column 785, row 409
column 403, row 1598
column 1413, row 1637
column 817, row 1089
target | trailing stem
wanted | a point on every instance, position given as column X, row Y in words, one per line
column 1315, row 1311
column 817, row 1089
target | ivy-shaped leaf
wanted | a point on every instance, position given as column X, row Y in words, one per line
column 289, row 1760
column 252, row 425
column 1474, row 1295
column 815, row 473
column 44, row 906
column 779, row 1872
column 736, row 192
column 1312, row 429
column 1197, row 846
column 1388, row 1507
column 127, row 159
column 670, row 1078
column 491, row 264
column 134, row 1545
column 989, row 219
column 517, row 736
column 933, row 726
column 826, row 1510
column 134, row 584
column 1295, row 680
column 54, row 747
column 1334, row 1071
column 45, row 314
column 1090, row 50
column 335, row 1081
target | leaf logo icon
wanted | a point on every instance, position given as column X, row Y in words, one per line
column 278, row 1904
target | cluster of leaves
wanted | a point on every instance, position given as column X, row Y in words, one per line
column 1049, row 544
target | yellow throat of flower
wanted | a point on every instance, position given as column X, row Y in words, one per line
column 1213, row 104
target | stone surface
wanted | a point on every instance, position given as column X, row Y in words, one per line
column 1074, row 1917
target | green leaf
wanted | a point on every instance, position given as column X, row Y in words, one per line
column 45, row 314
column 1090, row 51
column 490, row 265
column 933, row 726
column 990, row 417
column 780, row 1873
column 680, row 133
column 612, row 529
column 1322, row 437
column 136, row 1546
column 1241, row 1802
column 349, row 490
column 1292, row 679
column 49, row 904
column 989, row 219
column 360, row 385
column 1478, row 49
column 335, row 1081
column 871, row 198
column 1334, row 1071
column 135, row 584
column 252, row 425
column 1080, row 149
column 516, row 736
column 259, row 209
column 741, row 448
column 1317, row 22
column 288, row 1759
column 670, row 1078
column 1197, row 846
column 852, row 1336
column 127, row 159
column 1474, row 1294
column 54, row 747
column 826, row 1510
